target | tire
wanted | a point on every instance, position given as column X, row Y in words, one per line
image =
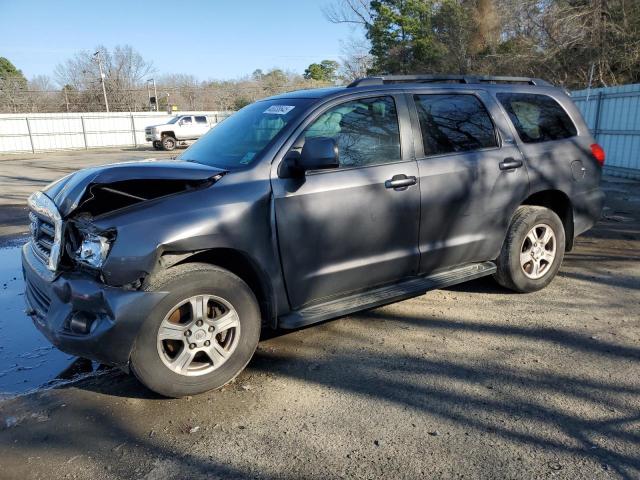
column 168, row 142
column 151, row 357
column 528, row 262
column 157, row 145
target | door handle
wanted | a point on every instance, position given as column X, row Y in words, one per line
column 509, row 164
column 400, row 182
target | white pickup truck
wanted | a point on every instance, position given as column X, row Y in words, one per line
column 177, row 130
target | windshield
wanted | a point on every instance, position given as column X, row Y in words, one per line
column 239, row 139
column 173, row 120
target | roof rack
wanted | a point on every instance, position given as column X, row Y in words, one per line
column 467, row 79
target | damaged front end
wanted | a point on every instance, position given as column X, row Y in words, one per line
column 110, row 187
column 67, row 290
column 100, row 198
column 62, row 216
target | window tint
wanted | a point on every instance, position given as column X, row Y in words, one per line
column 201, row 119
column 186, row 119
column 454, row 123
column 365, row 130
column 537, row 118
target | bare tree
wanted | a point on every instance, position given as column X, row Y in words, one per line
column 354, row 12
column 186, row 90
column 356, row 61
column 125, row 71
column 42, row 96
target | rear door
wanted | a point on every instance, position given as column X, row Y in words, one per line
column 472, row 176
column 351, row 228
column 201, row 125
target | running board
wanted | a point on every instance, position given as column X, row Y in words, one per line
column 384, row 295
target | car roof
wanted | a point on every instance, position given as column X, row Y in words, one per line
column 422, row 82
column 308, row 93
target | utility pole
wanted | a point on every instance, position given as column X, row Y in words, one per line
column 66, row 98
column 155, row 95
column 104, row 90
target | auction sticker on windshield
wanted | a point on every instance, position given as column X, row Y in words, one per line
column 279, row 109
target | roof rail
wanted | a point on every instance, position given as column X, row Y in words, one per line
column 391, row 79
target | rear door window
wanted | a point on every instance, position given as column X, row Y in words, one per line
column 201, row 120
column 537, row 118
column 453, row 123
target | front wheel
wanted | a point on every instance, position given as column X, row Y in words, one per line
column 168, row 142
column 201, row 335
column 532, row 251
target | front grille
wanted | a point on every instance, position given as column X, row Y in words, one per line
column 42, row 235
column 37, row 299
column 148, row 130
column 46, row 229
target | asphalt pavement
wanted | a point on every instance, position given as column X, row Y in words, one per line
column 469, row 382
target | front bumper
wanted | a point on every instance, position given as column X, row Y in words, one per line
column 152, row 136
column 117, row 314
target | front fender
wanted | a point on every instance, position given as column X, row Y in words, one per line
column 227, row 215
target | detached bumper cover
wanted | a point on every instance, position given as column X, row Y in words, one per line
column 52, row 299
column 587, row 210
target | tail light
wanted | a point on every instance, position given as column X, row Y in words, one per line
column 598, row 153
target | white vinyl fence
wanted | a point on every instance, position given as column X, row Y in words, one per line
column 37, row 132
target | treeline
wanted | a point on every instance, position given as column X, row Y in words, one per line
column 567, row 42
column 128, row 85
column 572, row 43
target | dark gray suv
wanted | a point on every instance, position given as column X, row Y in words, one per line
column 304, row 207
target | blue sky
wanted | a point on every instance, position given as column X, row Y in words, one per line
column 213, row 39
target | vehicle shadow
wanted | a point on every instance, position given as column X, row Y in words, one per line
column 509, row 402
column 481, row 285
column 490, row 397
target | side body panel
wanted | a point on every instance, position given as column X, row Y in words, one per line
column 566, row 165
column 235, row 214
column 466, row 199
column 341, row 230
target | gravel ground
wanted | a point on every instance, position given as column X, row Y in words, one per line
column 469, row 382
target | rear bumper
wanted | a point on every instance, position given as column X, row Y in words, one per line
column 587, row 210
column 116, row 314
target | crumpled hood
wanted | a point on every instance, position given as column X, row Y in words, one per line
column 69, row 191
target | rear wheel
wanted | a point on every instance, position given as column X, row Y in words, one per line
column 168, row 142
column 532, row 251
column 201, row 335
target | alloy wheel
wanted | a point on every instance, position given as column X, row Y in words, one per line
column 538, row 251
column 198, row 335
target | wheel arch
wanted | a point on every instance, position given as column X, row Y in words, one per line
column 167, row 133
column 238, row 263
column 560, row 203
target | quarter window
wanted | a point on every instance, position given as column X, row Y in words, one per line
column 537, row 118
column 365, row 130
column 454, row 123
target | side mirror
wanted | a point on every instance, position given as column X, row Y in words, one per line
column 318, row 153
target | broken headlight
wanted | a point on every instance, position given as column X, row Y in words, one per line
column 93, row 249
